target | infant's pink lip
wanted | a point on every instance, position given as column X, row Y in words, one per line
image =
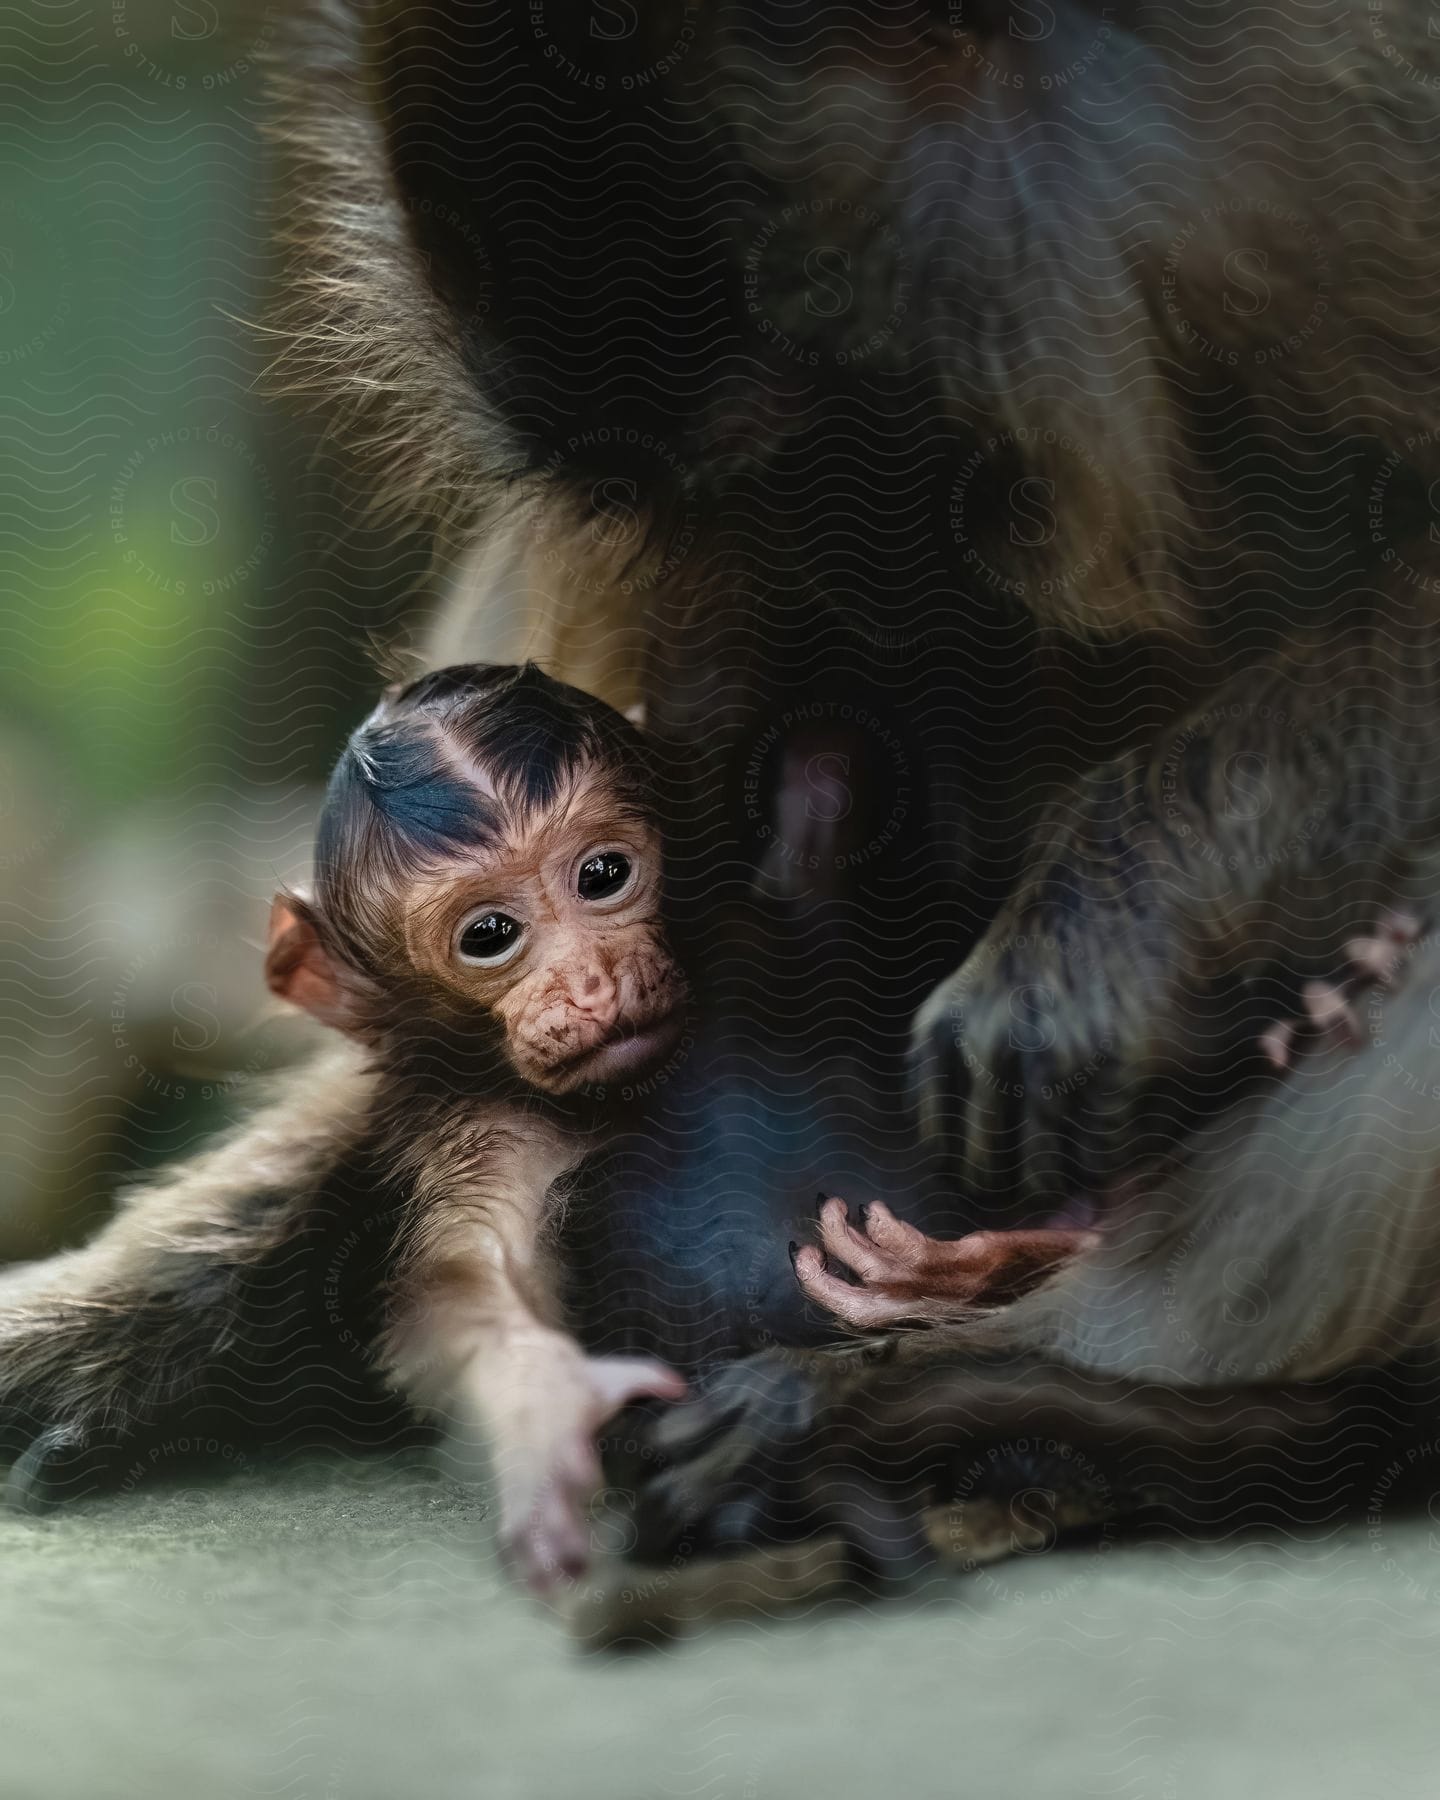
column 629, row 1046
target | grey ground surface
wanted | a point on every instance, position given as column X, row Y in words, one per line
column 341, row 1631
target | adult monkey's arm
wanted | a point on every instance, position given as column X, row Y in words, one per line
column 1266, row 829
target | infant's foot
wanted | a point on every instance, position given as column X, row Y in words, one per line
column 1329, row 1017
column 908, row 1278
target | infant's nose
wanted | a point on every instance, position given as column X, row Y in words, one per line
column 595, row 992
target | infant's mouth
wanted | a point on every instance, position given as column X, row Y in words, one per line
column 632, row 1043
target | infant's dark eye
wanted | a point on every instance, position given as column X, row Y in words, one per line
column 603, row 874
column 489, row 938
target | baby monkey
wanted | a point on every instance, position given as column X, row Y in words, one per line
column 487, row 926
column 485, row 931
column 486, row 936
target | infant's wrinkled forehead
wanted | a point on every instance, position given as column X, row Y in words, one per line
column 539, row 849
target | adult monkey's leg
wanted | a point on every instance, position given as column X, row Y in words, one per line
column 807, row 1476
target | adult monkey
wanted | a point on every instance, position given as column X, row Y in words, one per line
column 919, row 405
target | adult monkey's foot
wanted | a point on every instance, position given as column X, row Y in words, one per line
column 767, row 1452
column 905, row 1277
column 858, row 1444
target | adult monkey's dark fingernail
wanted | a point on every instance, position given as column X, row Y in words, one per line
column 794, row 1252
column 864, row 1214
column 820, row 1200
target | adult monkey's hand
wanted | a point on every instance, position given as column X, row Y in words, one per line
column 1263, row 835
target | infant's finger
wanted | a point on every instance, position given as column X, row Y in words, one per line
column 864, row 1308
column 896, row 1238
column 618, row 1380
column 1277, row 1043
column 1400, row 926
column 808, row 1263
column 815, row 1277
column 1330, row 1012
column 848, row 1246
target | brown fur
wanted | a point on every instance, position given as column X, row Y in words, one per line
column 102, row 1339
column 467, row 1099
column 1040, row 258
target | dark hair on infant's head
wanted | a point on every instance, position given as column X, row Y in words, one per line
column 446, row 763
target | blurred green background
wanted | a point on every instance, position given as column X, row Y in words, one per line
column 193, row 587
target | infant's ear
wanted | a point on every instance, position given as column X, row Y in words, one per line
column 299, row 968
column 636, row 715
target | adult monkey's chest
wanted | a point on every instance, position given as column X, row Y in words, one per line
column 676, row 1242
column 813, row 915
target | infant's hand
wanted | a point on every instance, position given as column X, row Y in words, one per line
column 543, row 1403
